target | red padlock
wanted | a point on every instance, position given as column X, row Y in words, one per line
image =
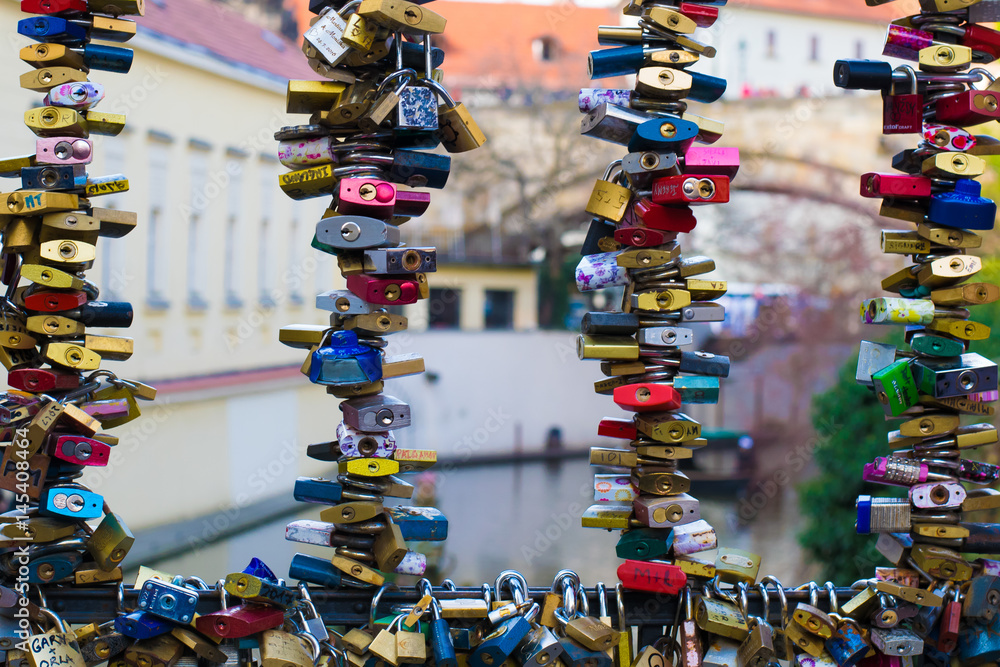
column 79, row 450
column 665, row 218
column 617, row 428
column 903, row 114
column 240, row 621
column 980, row 38
column 948, row 629
column 704, row 16
column 641, row 575
column 38, row 380
column 691, row 190
column 641, row 237
column 384, row 291
column 895, row 185
column 48, row 301
column 970, row 107
column 53, row 6
column 647, row 397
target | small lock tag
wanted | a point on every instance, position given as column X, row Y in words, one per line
column 417, row 109
column 903, row 114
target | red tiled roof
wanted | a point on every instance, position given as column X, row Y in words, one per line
column 224, row 34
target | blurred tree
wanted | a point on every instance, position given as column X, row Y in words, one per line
column 850, row 431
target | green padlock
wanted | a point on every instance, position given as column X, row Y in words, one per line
column 895, row 387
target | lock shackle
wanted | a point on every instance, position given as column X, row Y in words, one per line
column 307, row 599
column 220, row 586
column 487, row 595
column 314, row 648
column 620, row 602
column 813, row 592
column 532, row 612
column 424, row 587
column 560, row 575
column 410, row 75
column 765, row 601
column 397, row 38
column 985, row 73
column 55, row 619
column 725, row 595
column 339, row 654
column 120, row 598
column 583, row 602
column 782, row 599
column 569, row 598
column 449, row 585
column 428, row 63
column 743, row 599
column 373, row 608
column 602, row 598
column 911, row 75
column 611, row 168
column 831, row 592
column 439, row 88
column 353, row 4
column 199, row 583
column 519, row 595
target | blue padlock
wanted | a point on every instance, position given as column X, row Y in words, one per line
column 706, row 88
column 342, row 360
column 848, row 644
column 668, row 133
column 415, row 139
column 108, row 58
column 963, row 208
column 54, row 567
column 319, row 571
column 49, row 177
column 169, row 601
column 620, row 61
column 140, row 625
column 421, row 524
column 575, row 655
column 419, row 170
column 259, row 569
column 317, row 490
column 501, row 643
column 980, row 644
column 53, row 29
column 413, row 55
column 70, row 502
column 441, row 643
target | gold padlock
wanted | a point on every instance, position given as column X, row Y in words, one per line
column 56, row 122
column 609, row 200
column 457, row 130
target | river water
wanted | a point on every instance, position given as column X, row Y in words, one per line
column 526, row 517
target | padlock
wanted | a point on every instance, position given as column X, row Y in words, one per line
column 457, row 130
column 653, row 577
column 963, row 207
column 609, row 200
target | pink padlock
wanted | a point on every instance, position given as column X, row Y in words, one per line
column 712, row 161
column 411, row 203
column 64, row 150
column 366, row 196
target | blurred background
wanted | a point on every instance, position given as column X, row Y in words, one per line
column 221, row 260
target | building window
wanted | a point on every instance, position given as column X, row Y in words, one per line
column 232, row 273
column 443, row 308
column 158, row 239
column 295, row 262
column 196, row 282
column 265, row 249
column 772, row 44
column 814, row 48
column 499, row 309
column 544, row 49
column 859, row 49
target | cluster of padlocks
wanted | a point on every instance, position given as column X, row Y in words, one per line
column 950, row 596
column 671, row 166
column 372, row 122
column 60, row 402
